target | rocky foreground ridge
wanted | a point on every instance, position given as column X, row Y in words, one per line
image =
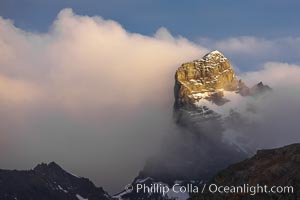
column 274, row 167
column 47, row 182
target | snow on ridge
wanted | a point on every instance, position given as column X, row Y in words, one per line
column 59, row 187
column 143, row 180
column 80, row 197
column 74, row 175
column 119, row 196
column 236, row 103
column 214, row 52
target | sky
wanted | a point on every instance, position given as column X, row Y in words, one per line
column 191, row 19
column 90, row 84
column 199, row 21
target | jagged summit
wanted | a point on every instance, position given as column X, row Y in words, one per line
column 51, row 165
column 213, row 55
column 215, row 52
column 208, row 78
column 200, row 78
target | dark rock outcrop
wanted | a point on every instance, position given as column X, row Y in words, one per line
column 47, row 182
column 273, row 167
column 259, row 89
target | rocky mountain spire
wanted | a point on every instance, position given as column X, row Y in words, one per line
column 200, row 78
column 208, row 78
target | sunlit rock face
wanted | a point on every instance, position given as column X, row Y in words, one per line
column 209, row 86
column 210, row 79
column 205, row 78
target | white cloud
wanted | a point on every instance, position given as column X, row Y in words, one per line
column 245, row 45
column 278, row 75
column 83, row 55
column 88, row 94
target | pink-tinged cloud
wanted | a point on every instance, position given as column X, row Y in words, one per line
column 90, row 89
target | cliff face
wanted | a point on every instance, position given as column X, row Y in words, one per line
column 201, row 78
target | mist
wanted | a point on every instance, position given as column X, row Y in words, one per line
column 278, row 112
column 88, row 95
column 98, row 99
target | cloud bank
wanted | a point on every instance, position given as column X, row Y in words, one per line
column 96, row 98
column 87, row 94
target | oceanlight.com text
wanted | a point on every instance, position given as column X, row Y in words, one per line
column 164, row 189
